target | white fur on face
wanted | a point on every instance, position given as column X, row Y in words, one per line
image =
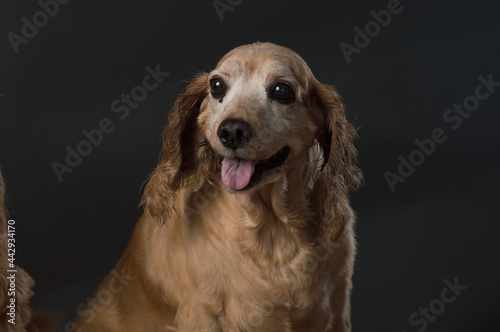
column 274, row 124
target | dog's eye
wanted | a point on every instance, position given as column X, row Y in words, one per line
column 283, row 93
column 218, row 88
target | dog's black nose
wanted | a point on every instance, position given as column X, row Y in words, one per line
column 234, row 133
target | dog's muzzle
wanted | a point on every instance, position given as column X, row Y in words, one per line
column 242, row 174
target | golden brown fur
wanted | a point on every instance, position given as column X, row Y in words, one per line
column 207, row 256
column 25, row 319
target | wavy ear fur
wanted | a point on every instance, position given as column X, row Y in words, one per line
column 184, row 158
column 340, row 157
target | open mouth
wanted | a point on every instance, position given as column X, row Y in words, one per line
column 241, row 174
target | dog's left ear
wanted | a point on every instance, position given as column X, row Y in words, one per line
column 340, row 157
column 179, row 157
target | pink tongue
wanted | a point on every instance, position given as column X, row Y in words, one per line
column 236, row 173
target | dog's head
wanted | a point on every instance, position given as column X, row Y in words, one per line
column 256, row 116
column 247, row 123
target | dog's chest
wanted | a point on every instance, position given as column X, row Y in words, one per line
column 252, row 280
column 243, row 294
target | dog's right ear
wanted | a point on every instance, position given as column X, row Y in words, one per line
column 181, row 139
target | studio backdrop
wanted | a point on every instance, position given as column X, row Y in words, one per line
column 86, row 88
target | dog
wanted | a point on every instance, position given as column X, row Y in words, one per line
column 15, row 287
column 247, row 224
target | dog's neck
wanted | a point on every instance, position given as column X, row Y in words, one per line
column 279, row 215
column 282, row 213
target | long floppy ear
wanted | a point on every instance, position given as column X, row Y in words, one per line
column 340, row 157
column 179, row 158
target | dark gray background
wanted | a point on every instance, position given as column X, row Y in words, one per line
column 441, row 223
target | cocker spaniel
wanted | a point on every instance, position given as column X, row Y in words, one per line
column 247, row 223
column 15, row 284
